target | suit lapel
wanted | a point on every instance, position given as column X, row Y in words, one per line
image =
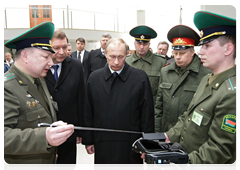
column 50, row 77
column 66, row 67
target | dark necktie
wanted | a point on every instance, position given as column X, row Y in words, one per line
column 40, row 90
column 115, row 74
column 55, row 67
column 79, row 55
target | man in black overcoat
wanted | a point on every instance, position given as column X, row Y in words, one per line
column 118, row 97
column 68, row 93
column 96, row 58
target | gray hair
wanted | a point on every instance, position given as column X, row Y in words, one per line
column 163, row 42
column 106, row 35
column 117, row 40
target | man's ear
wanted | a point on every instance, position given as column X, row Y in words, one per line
column 229, row 48
column 24, row 56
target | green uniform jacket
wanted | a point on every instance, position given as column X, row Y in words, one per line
column 207, row 130
column 24, row 142
column 176, row 91
column 151, row 64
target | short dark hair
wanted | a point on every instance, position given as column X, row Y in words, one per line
column 80, row 39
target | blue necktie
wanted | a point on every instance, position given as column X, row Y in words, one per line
column 103, row 53
column 55, row 67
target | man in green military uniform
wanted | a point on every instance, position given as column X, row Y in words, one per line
column 207, row 130
column 27, row 101
column 179, row 79
column 143, row 58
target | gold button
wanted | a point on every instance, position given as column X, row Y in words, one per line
column 182, row 138
column 189, row 119
column 217, row 85
column 20, row 81
column 185, row 128
column 39, row 117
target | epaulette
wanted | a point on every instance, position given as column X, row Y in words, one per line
column 231, row 84
column 166, row 64
column 9, row 77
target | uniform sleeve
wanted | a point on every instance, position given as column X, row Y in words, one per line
column 18, row 141
column 147, row 111
column 158, row 108
column 175, row 132
column 221, row 144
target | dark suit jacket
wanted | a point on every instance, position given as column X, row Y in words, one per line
column 84, row 63
column 68, row 92
column 95, row 61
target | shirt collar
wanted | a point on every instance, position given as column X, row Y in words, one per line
column 119, row 71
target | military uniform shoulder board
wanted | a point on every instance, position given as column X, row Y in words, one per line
column 166, row 64
column 9, row 77
column 231, row 84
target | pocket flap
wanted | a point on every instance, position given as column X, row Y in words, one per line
column 190, row 88
column 166, row 85
column 36, row 114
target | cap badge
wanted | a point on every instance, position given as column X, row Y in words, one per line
column 180, row 41
column 142, row 37
column 201, row 33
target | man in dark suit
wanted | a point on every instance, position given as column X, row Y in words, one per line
column 66, row 85
column 96, row 58
column 81, row 54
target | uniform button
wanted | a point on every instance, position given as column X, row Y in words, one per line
column 182, row 138
column 39, row 117
column 189, row 119
column 172, row 96
column 185, row 128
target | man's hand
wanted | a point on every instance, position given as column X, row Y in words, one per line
column 79, row 140
column 58, row 135
column 90, row 149
column 167, row 139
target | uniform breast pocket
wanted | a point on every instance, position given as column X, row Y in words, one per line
column 189, row 91
column 154, row 80
column 166, row 89
column 199, row 125
column 34, row 117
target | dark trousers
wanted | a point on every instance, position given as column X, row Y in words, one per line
column 67, row 152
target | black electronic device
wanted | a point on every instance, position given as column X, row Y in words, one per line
column 166, row 157
column 160, row 152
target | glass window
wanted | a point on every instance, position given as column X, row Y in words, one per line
column 46, row 11
column 34, row 11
